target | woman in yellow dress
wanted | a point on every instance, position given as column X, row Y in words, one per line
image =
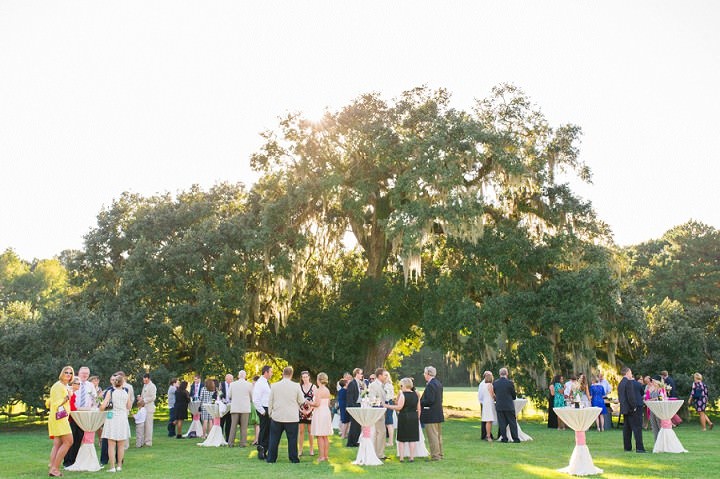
column 59, row 429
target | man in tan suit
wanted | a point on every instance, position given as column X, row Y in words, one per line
column 376, row 395
column 148, row 395
column 286, row 397
column 240, row 396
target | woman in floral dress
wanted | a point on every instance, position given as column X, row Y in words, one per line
column 699, row 399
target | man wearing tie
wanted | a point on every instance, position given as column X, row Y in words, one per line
column 195, row 388
column 84, row 400
column 148, row 395
column 376, row 394
column 354, row 388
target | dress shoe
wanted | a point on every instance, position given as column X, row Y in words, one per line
column 641, row 451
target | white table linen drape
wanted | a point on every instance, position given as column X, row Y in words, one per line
column 89, row 421
column 579, row 420
column 367, row 417
column 420, row 449
column 215, row 437
column 195, row 425
column 667, row 440
column 520, row 403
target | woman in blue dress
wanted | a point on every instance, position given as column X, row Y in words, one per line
column 597, row 393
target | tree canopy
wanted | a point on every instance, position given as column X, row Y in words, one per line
column 384, row 226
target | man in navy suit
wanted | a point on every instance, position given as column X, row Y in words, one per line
column 505, row 406
column 354, row 388
column 630, row 397
column 195, row 388
column 431, row 414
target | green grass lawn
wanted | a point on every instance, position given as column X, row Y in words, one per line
column 24, row 452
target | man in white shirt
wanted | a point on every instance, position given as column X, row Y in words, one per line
column 240, row 395
column 568, row 386
column 225, row 398
column 148, row 395
column 84, row 400
column 261, row 399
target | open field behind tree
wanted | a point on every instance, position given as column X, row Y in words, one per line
column 24, row 453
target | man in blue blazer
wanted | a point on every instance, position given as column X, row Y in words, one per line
column 431, row 414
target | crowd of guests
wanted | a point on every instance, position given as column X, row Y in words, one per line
column 300, row 408
column 632, row 392
column 285, row 406
column 83, row 393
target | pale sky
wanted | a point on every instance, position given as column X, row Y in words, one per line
column 100, row 97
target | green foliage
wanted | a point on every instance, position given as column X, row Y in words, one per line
column 683, row 265
column 462, row 240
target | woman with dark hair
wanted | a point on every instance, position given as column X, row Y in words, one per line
column 553, row 420
column 306, row 411
column 58, row 419
column 597, row 399
column 207, row 396
column 182, row 400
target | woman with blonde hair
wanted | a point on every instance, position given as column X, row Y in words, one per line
column 486, row 397
column 58, row 419
column 321, row 424
column 408, row 409
column 699, row 399
column 117, row 402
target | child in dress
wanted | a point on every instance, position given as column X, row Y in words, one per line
column 140, row 417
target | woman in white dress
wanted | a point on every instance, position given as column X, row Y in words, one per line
column 117, row 402
column 486, row 397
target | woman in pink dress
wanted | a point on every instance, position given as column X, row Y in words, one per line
column 321, row 425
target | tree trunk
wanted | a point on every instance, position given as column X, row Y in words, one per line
column 378, row 351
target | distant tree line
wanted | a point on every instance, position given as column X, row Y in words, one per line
column 379, row 229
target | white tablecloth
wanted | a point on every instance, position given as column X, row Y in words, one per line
column 215, row 437
column 579, row 420
column 420, row 449
column 195, row 425
column 89, row 421
column 519, row 405
column 367, row 417
column 667, row 440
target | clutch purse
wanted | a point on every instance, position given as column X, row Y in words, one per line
column 61, row 413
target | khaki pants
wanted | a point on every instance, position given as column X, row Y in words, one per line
column 434, row 435
column 242, row 418
column 149, row 423
column 140, row 434
column 379, row 437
